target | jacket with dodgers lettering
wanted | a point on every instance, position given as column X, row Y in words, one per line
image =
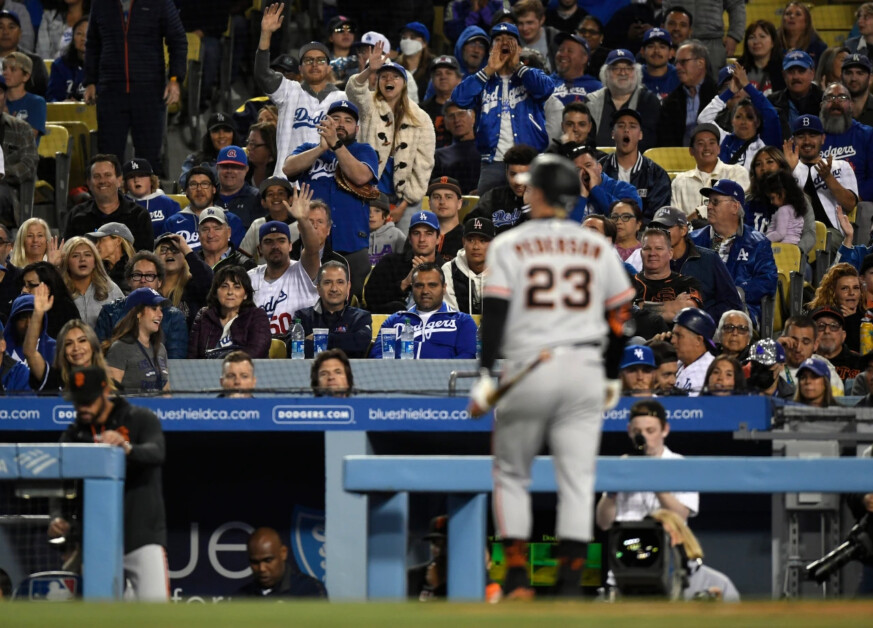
column 854, row 146
column 750, row 262
column 528, row 90
column 448, row 334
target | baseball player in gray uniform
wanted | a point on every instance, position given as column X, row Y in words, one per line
column 558, row 299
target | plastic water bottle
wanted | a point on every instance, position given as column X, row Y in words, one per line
column 297, row 340
column 478, row 343
column 407, row 341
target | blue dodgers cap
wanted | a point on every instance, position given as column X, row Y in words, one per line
column 816, row 366
column 425, row 218
column 390, row 65
column 724, row 75
column 767, row 352
column 274, row 226
column 798, row 59
column 560, row 38
column 620, row 54
column 142, row 296
column 657, row 34
column 344, row 105
column 419, row 29
column 726, row 187
column 12, row 15
column 232, row 155
column 806, row 124
column 505, row 29
column 637, row 354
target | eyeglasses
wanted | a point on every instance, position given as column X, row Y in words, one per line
column 738, row 329
column 835, row 326
column 588, row 31
column 344, row 28
column 715, row 202
column 167, row 250
column 251, row 144
column 314, row 61
column 622, row 217
column 835, row 97
column 621, row 68
column 203, row 185
column 5, row 242
column 147, row 277
column 684, row 61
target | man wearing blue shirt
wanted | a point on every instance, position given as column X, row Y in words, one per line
column 17, row 69
column 597, row 190
column 846, row 138
column 338, row 158
column 572, row 84
column 659, row 75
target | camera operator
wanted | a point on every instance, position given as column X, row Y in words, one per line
column 647, row 429
column 704, row 583
column 861, row 504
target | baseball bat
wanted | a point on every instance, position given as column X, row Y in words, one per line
column 498, row 393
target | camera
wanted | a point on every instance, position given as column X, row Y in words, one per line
column 644, row 563
column 857, row 546
column 639, row 445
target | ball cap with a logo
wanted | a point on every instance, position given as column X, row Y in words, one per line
column 637, row 355
column 445, row 61
column 143, row 296
column 444, row 183
column 667, row 217
column 12, row 15
column 726, row 187
column 657, row 34
column 346, row 106
column 797, row 59
column 815, row 366
column 395, row 67
column 341, row 20
column 827, row 310
column 232, row 156
column 767, row 352
column 560, row 38
column 807, row 124
column 625, row 111
column 274, row 226
column 425, row 218
column 111, row 229
column 219, row 120
column 620, row 54
column 371, row 38
column 479, row 226
column 86, row 385
column 857, row 61
column 437, row 529
column 212, row 213
column 137, row 167
column 419, row 29
column 506, row 29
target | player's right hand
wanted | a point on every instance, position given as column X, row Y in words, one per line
column 58, row 527
column 612, row 394
column 482, row 394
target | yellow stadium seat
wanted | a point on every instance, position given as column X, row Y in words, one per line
column 425, row 203
column 606, row 149
column 278, row 349
column 48, row 66
column 833, row 17
column 467, row 205
column 821, row 241
column 378, row 319
column 770, row 11
column 478, row 319
column 789, row 291
column 672, row 158
column 81, row 151
column 787, row 256
column 180, row 198
column 58, row 145
column 834, row 37
column 75, row 112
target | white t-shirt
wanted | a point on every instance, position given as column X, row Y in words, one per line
column 636, row 506
column 843, row 173
column 280, row 298
column 693, row 376
column 505, row 140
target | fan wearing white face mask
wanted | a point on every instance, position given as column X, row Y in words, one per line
column 415, row 56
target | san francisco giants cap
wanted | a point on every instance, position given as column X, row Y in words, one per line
column 444, row 183
column 86, row 385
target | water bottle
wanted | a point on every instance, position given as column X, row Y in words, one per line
column 297, row 340
column 478, row 343
column 407, row 341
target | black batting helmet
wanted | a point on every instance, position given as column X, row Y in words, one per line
column 697, row 321
column 558, row 179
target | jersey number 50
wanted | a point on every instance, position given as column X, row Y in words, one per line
column 541, row 288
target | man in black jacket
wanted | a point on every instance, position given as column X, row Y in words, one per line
column 348, row 328
column 109, row 205
column 103, row 418
column 676, row 121
column 275, row 576
column 800, row 95
column 503, row 205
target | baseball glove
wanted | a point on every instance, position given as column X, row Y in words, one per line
column 366, row 192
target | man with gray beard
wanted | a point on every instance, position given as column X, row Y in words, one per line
column 623, row 88
column 846, row 138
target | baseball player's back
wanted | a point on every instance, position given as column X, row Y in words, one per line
column 559, row 278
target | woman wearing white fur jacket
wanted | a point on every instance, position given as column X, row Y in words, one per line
column 405, row 149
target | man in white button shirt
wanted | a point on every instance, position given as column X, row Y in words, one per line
column 649, row 420
column 692, row 334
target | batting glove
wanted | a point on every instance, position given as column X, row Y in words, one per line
column 613, row 394
column 482, row 394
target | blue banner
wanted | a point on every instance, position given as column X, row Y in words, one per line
column 371, row 414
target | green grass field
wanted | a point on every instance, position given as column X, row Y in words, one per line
column 267, row 615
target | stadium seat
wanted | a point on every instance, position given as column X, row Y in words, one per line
column 770, row 11
column 75, row 112
column 48, row 66
column 833, row 17
column 789, row 290
column 180, row 198
column 81, row 151
column 378, row 319
column 278, row 349
column 606, row 149
column 834, row 37
column 820, row 255
column 58, row 145
column 425, row 203
column 672, row 158
column 467, row 205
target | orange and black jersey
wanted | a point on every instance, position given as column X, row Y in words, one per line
column 663, row 290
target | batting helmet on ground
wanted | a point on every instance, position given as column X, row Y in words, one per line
column 557, row 177
column 697, row 321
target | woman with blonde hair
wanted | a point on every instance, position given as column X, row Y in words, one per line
column 34, row 243
column 840, row 288
column 399, row 130
column 703, row 582
column 798, row 33
column 77, row 347
column 86, row 278
column 188, row 278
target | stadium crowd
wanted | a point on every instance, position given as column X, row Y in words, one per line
column 363, row 182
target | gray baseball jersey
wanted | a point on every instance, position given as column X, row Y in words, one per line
column 560, row 280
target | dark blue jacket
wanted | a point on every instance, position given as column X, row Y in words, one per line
column 14, row 375
column 651, row 181
column 716, row 284
column 65, row 82
column 121, row 58
column 160, row 207
column 246, row 204
column 602, row 196
column 750, row 262
column 449, row 334
column 350, row 329
column 173, row 325
column 529, row 89
column 45, row 345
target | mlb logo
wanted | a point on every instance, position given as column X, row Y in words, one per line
column 134, row 165
column 638, row 353
column 619, row 53
column 422, row 216
column 502, row 27
column 210, row 212
column 232, row 153
column 343, row 103
column 219, row 117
